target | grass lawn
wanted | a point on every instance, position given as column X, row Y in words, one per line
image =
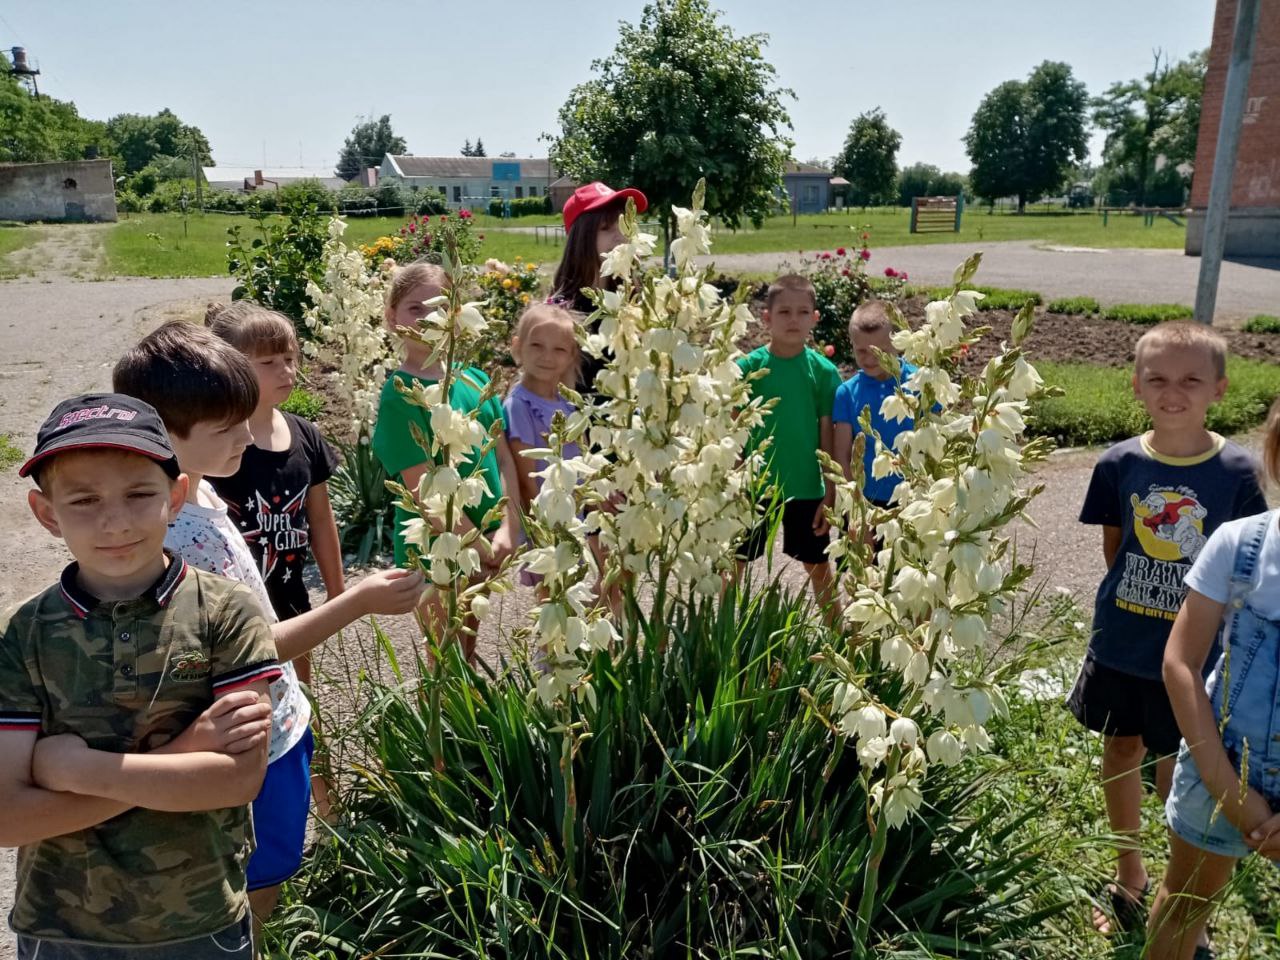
column 15, row 236
column 153, row 245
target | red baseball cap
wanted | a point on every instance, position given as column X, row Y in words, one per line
column 597, row 194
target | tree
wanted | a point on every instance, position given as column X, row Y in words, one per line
column 137, row 139
column 926, row 180
column 477, row 151
column 1025, row 136
column 37, row 130
column 1152, row 125
column 681, row 97
column 869, row 159
column 369, row 142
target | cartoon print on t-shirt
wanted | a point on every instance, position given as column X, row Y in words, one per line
column 1169, row 523
column 276, row 531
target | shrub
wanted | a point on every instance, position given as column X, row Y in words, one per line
column 393, row 199
column 840, row 284
column 306, row 193
column 225, row 200
column 519, row 206
column 508, row 290
column 713, row 819
column 1074, row 305
column 432, row 204
column 1262, row 323
column 275, row 267
column 424, row 237
column 994, row 298
column 1099, row 407
column 1147, row 314
column 304, row 403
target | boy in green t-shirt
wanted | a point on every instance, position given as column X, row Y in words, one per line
column 406, row 461
column 804, row 384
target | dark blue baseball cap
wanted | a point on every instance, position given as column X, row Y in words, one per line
column 104, row 421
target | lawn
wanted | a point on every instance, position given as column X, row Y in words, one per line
column 154, row 245
column 13, row 237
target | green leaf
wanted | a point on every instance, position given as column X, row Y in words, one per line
column 1022, row 323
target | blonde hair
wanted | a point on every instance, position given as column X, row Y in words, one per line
column 1183, row 333
column 1271, row 446
column 870, row 316
column 411, row 275
column 252, row 329
column 791, row 283
column 538, row 314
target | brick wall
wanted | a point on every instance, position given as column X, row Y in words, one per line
column 1257, row 175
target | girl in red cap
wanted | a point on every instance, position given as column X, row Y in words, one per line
column 591, row 230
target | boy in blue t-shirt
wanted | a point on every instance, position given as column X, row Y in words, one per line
column 1157, row 497
column 870, row 329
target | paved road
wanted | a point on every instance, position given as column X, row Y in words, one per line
column 1111, row 276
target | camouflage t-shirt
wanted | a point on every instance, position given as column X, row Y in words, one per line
column 128, row 676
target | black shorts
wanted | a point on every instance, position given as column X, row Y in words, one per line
column 1121, row 705
column 798, row 539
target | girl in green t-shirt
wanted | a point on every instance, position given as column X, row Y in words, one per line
column 406, row 461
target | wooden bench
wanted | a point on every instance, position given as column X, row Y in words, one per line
column 936, row 214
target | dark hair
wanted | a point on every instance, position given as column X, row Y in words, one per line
column 791, row 282
column 190, row 376
column 580, row 265
column 253, row 329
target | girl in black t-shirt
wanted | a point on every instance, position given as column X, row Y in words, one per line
column 279, row 498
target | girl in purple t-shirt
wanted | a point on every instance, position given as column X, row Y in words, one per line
column 547, row 351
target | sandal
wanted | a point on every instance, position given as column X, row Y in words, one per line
column 1127, row 913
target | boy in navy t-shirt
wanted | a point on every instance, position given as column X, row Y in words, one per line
column 1157, row 498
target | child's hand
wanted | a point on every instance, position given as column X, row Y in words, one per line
column 501, row 547
column 233, row 724
column 821, row 525
column 390, row 592
column 53, row 760
column 1265, row 837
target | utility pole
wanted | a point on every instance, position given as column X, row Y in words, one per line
column 1224, row 158
column 195, row 172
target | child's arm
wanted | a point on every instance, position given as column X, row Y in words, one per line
column 386, row 592
column 821, row 525
column 177, row 783
column 325, row 545
column 507, row 535
column 842, row 442
column 1189, row 643
column 1111, row 537
column 33, row 813
column 527, row 483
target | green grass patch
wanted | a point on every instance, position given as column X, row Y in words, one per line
column 1147, row 314
column 1099, row 406
column 994, row 298
column 1262, row 323
column 157, row 245
column 1075, row 306
column 13, row 237
column 10, row 455
column 303, row 403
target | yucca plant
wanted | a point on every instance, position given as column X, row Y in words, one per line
column 711, row 820
column 362, row 505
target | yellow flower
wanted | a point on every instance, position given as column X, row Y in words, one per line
column 507, row 284
column 524, row 298
column 529, row 267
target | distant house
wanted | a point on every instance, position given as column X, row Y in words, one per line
column 249, row 179
column 471, row 181
column 807, row 187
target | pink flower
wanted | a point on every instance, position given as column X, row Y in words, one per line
column 824, row 255
column 402, row 231
column 890, row 272
column 840, row 252
column 426, row 219
column 829, row 350
column 903, row 276
column 844, row 272
column 413, row 228
column 864, row 253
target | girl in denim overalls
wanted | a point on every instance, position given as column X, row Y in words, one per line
column 1225, row 801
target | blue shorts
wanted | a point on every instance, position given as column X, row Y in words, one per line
column 1193, row 813
column 280, row 817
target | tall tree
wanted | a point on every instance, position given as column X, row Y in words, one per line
column 926, row 180
column 869, row 159
column 137, row 139
column 1152, row 122
column 370, row 140
column 478, row 151
column 1025, row 136
column 467, row 149
column 681, row 97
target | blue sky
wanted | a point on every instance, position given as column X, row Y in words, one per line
column 286, row 80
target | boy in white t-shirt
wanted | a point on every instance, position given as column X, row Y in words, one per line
column 205, row 390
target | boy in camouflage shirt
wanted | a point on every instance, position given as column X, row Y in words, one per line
column 133, row 714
